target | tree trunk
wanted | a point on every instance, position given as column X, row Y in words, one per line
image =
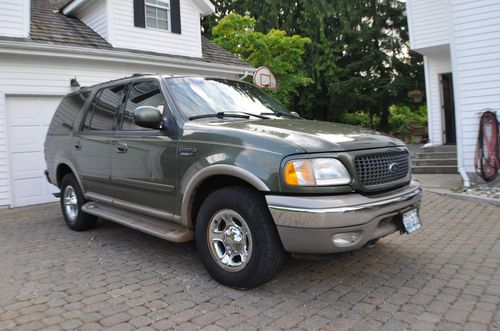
column 384, row 119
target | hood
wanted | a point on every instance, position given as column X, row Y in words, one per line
column 317, row 136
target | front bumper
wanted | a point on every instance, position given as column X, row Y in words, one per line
column 307, row 224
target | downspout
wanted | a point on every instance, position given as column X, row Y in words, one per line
column 456, row 92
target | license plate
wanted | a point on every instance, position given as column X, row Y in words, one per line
column 411, row 221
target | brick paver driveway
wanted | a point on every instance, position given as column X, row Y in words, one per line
column 445, row 276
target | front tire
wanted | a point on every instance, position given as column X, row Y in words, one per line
column 236, row 238
column 72, row 200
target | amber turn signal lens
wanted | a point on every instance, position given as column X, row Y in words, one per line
column 291, row 175
column 299, row 172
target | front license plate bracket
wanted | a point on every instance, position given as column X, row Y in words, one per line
column 411, row 220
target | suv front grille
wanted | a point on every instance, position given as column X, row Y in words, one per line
column 382, row 170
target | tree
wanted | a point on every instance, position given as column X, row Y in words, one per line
column 281, row 53
column 359, row 58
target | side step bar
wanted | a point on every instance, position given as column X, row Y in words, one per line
column 156, row 227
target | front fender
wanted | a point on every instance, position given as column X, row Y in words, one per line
column 214, row 170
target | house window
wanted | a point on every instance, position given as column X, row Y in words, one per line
column 158, row 14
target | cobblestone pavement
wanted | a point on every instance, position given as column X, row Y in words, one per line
column 445, row 276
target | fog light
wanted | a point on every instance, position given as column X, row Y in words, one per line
column 345, row 239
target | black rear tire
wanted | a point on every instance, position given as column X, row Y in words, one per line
column 247, row 206
column 71, row 194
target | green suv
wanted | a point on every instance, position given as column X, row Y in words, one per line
column 221, row 162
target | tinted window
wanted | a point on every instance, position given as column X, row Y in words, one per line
column 146, row 93
column 67, row 112
column 102, row 116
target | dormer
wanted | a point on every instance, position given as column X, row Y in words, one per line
column 15, row 18
column 159, row 26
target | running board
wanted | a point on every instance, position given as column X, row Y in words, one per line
column 153, row 226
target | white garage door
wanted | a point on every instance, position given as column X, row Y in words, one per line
column 28, row 119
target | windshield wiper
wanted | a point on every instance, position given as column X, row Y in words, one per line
column 220, row 114
column 279, row 114
column 254, row 115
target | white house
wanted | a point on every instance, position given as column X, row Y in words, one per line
column 460, row 42
column 45, row 44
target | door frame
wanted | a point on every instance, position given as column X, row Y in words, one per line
column 449, row 137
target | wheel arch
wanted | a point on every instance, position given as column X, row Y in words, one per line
column 65, row 167
column 208, row 180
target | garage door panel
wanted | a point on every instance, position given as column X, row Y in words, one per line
column 27, row 139
column 31, row 190
column 27, row 165
column 28, row 119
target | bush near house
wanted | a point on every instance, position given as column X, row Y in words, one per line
column 399, row 116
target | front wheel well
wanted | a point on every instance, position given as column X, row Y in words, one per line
column 210, row 185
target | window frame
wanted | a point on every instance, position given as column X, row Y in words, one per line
column 92, row 106
column 156, row 6
column 144, row 131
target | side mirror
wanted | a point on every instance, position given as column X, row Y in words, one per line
column 148, row 117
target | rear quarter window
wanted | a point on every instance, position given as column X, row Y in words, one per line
column 67, row 112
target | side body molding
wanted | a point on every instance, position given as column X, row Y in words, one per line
column 215, row 170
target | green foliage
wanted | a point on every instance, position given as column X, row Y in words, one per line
column 359, row 118
column 281, row 53
column 401, row 115
column 358, row 58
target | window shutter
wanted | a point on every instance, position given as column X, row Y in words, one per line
column 175, row 16
column 139, row 14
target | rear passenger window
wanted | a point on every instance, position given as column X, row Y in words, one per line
column 67, row 112
column 146, row 93
column 102, row 116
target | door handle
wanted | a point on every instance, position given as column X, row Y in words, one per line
column 77, row 146
column 121, row 148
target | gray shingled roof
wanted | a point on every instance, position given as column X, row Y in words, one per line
column 48, row 25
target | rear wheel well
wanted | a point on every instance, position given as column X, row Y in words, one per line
column 62, row 170
column 210, row 185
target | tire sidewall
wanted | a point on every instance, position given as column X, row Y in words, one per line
column 82, row 221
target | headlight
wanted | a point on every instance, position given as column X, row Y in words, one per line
column 316, row 172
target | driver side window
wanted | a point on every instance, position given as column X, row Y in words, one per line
column 147, row 93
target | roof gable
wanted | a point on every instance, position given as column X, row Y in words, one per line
column 68, row 7
column 48, row 25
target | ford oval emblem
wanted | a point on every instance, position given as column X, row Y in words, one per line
column 394, row 167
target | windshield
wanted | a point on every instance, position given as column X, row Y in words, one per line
column 200, row 96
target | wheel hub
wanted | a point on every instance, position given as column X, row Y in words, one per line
column 230, row 240
column 233, row 240
column 70, row 202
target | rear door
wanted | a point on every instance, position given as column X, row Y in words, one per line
column 143, row 161
column 92, row 147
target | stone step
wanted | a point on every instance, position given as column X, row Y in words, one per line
column 434, row 162
column 440, row 149
column 435, row 155
column 443, row 169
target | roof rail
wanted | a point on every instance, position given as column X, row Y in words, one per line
column 138, row 74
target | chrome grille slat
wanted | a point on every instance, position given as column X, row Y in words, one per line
column 373, row 169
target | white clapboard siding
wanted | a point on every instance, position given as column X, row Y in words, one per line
column 475, row 31
column 428, row 23
column 435, row 65
column 95, row 15
column 49, row 76
column 14, row 18
column 124, row 34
